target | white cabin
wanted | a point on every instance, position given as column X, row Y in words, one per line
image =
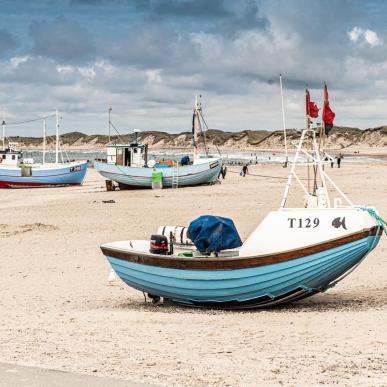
column 130, row 155
column 10, row 157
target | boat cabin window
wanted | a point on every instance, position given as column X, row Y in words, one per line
column 13, row 157
column 4, row 157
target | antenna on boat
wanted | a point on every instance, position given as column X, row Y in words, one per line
column 110, row 122
column 283, row 121
column 136, row 132
column 57, row 137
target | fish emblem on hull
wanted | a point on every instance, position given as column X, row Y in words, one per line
column 339, row 222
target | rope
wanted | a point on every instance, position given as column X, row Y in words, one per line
column 31, row 120
column 381, row 222
column 264, row 176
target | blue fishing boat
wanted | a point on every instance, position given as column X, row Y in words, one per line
column 293, row 253
column 129, row 166
column 241, row 279
column 204, row 172
column 19, row 172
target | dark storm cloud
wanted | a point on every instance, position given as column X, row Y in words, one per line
column 7, row 42
column 61, row 39
column 151, row 45
column 154, row 55
column 185, row 8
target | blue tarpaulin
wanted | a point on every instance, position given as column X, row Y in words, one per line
column 213, row 233
column 184, row 160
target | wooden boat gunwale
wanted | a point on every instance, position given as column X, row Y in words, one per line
column 230, row 263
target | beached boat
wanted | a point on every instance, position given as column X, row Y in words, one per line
column 19, row 172
column 128, row 164
column 292, row 254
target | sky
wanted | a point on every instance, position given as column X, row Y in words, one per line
column 148, row 58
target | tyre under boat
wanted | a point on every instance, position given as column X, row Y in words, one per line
column 245, row 282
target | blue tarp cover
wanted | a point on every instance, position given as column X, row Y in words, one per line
column 184, row 160
column 213, row 234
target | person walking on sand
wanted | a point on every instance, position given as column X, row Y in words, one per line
column 244, row 170
column 339, row 160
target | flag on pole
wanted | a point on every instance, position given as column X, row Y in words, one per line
column 328, row 115
column 311, row 108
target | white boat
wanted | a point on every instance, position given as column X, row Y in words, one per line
column 19, row 172
column 128, row 165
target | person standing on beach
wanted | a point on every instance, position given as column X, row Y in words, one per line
column 339, row 160
column 244, row 170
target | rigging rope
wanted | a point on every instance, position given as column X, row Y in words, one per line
column 31, row 120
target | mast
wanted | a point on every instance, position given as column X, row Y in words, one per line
column 195, row 127
column 283, row 121
column 57, row 137
column 3, row 126
column 44, row 140
column 110, row 122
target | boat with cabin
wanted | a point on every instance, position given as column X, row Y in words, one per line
column 17, row 171
column 294, row 252
column 129, row 166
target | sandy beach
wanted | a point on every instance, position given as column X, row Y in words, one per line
column 58, row 310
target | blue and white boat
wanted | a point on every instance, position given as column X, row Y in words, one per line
column 264, row 271
column 128, row 165
column 19, row 172
column 292, row 254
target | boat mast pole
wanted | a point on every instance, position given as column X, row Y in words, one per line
column 194, row 127
column 110, row 122
column 3, row 126
column 44, row 141
column 57, row 137
column 283, row 122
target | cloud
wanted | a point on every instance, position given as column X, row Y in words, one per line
column 7, row 42
column 185, row 8
column 359, row 35
column 148, row 58
column 61, row 39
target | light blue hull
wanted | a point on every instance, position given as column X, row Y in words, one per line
column 64, row 174
column 246, row 287
column 142, row 177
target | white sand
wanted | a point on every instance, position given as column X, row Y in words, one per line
column 57, row 309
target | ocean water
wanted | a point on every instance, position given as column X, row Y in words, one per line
column 229, row 157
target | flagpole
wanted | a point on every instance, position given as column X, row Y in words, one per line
column 307, row 110
column 283, row 121
column 321, row 142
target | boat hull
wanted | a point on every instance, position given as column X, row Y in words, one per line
column 241, row 285
column 44, row 176
column 197, row 174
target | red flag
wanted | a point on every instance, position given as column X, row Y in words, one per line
column 328, row 114
column 311, row 108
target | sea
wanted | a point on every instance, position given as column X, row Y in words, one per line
column 229, row 157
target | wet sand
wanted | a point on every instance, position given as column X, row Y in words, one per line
column 58, row 311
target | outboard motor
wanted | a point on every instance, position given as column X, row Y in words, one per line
column 159, row 245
